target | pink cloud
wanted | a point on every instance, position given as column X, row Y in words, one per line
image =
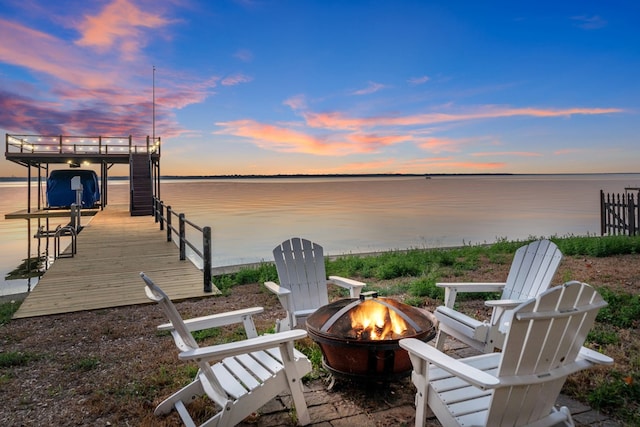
column 371, row 88
column 235, row 79
column 490, row 112
column 274, row 137
column 297, row 102
column 334, row 120
column 415, row 81
column 373, row 166
column 95, row 93
column 283, row 139
column 438, row 145
column 118, row 25
column 337, row 120
column 43, row 53
column 349, row 135
column 244, row 55
column 374, row 140
column 567, row 151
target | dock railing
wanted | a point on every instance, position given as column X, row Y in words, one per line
column 82, row 145
column 620, row 213
column 164, row 215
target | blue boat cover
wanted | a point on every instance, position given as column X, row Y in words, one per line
column 60, row 194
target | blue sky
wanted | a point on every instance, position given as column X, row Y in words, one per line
column 270, row 87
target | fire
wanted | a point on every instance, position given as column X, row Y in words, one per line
column 374, row 321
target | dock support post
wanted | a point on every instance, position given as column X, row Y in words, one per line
column 206, row 258
column 183, row 237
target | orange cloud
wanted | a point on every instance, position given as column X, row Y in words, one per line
column 438, row 145
column 279, row 138
column 449, row 164
column 337, row 120
column 372, row 167
column 507, row 153
column 118, row 24
column 374, row 141
column 349, row 135
column 567, row 151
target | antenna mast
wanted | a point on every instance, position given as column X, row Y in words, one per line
column 154, row 105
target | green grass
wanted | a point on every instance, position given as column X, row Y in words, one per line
column 7, row 310
column 414, row 273
column 618, row 394
column 85, row 364
column 623, row 310
column 16, row 358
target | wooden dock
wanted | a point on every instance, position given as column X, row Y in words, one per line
column 112, row 249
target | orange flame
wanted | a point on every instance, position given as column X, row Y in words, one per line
column 373, row 321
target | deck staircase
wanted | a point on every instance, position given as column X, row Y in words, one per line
column 140, row 185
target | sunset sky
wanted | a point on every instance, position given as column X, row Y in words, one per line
column 332, row 86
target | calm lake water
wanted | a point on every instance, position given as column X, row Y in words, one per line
column 249, row 217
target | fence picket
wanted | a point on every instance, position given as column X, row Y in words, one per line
column 619, row 214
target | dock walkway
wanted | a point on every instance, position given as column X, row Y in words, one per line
column 111, row 250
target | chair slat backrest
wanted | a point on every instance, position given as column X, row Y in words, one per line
column 184, row 340
column 545, row 335
column 532, row 270
column 301, row 269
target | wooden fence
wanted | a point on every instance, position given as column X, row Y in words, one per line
column 620, row 213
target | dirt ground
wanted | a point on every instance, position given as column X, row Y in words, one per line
column 110, row 367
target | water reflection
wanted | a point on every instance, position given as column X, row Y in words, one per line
column 249, row 217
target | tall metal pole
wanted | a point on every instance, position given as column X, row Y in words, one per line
column 154, row 105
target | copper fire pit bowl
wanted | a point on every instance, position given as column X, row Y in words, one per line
column 359, row 337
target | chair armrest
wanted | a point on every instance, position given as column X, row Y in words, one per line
column 354, row 286
column 506, row 304
column 432, row 355
column 594, row 356
column 451, row 289
column 474, row 287
column 215, row 320
column 220, row 351
column 276, row 289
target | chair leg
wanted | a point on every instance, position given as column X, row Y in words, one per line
column 185, row 395
column 421, row 403
column 440, row 339
column 299, row 402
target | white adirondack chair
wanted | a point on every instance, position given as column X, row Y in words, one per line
column 303, row 281
column 532, row 270
column 520, row 385
column 248, row 373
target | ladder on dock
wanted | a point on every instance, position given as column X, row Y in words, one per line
column 141, row 187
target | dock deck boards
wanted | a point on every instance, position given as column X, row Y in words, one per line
column 112, row 249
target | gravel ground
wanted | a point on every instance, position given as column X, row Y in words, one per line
column 110, row 367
